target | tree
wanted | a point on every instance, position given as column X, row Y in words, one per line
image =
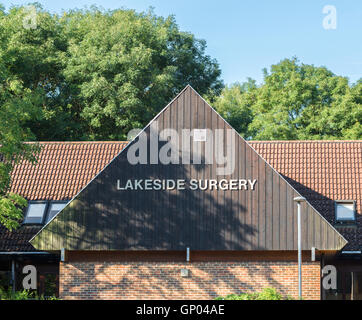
column 104, row 73
column 88, row 74
column 345, row 117
column 17, row 106
column 296, row 102
column 125, row 67
column 235, row 105
column 32, row 56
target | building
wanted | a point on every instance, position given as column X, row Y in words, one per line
column 215, row 217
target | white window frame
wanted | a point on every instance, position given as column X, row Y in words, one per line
column 337, row 202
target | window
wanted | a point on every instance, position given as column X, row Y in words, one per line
column 345, row 210
column 54, row 208
column 40, row 212
column 35, row 212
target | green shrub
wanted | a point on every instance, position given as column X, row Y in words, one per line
column 266, row 294
column 22, row 295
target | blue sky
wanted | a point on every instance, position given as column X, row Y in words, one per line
column 246, row 36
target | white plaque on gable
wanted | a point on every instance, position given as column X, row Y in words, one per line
column 199, row 135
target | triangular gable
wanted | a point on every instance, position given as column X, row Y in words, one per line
column 263, row 217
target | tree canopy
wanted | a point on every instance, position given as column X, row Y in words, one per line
column 87, row 75
column 95, row 75
column 103, row 73
column 295, row 102
column 18, row 105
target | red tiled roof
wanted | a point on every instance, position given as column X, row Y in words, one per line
column 63, row 169
column 322, row 171
column 331, row 168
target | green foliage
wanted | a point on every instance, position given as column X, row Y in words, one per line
column 22, row 295
column 295, row 102
column 18, row 106
column 10, row 210
column 87, row 74
column 266, row 294
column 235, row 104
column 101, row 73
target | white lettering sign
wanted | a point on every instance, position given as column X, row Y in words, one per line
column 181, row 184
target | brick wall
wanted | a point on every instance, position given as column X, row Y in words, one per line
column 162, row 280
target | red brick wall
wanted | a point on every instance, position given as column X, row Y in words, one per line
column 162, row 280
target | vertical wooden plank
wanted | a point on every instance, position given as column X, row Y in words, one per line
column 305, row 227
column 248, row 201
column 215, row 194
column 53, row 232
column 92, row 218
column 317, row 228
column 326, row 232
column 200, row 172
column 174, row 195
column 295, row 220
column 290, row 215
column 314, row 229
column 255, row 200
column 309, row 227
column 323, row 236
column 97, row 222
column 194, row 170
column 181, row 171
column 329, row 237
column 236, row 197
column 85, row 217
column 283, row 215
column 228, row 136
column 243, row 230
column 187, row 167
column 262, row 217
column 208, row 203
column 222, row 196
column 153, row 171
column 276, row 214
column 233, row 211
column 269, row 208
column 162, row 196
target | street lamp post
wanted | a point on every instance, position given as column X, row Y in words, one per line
column 299, row 200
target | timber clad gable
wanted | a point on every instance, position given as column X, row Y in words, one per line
column 101, row 217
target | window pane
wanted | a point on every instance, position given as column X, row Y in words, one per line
column 345, row 211
column 35, row 213
column 54, row 209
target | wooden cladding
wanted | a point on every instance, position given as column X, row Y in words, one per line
column 101, row 217
column 180, row 256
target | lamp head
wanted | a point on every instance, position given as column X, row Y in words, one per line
column 299, row 199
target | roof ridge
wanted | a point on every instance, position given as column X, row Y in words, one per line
column 303, row 141
column 75, row 142
column 249, row 141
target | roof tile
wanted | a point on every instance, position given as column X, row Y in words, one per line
column 63, row 169
column 322, row 171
